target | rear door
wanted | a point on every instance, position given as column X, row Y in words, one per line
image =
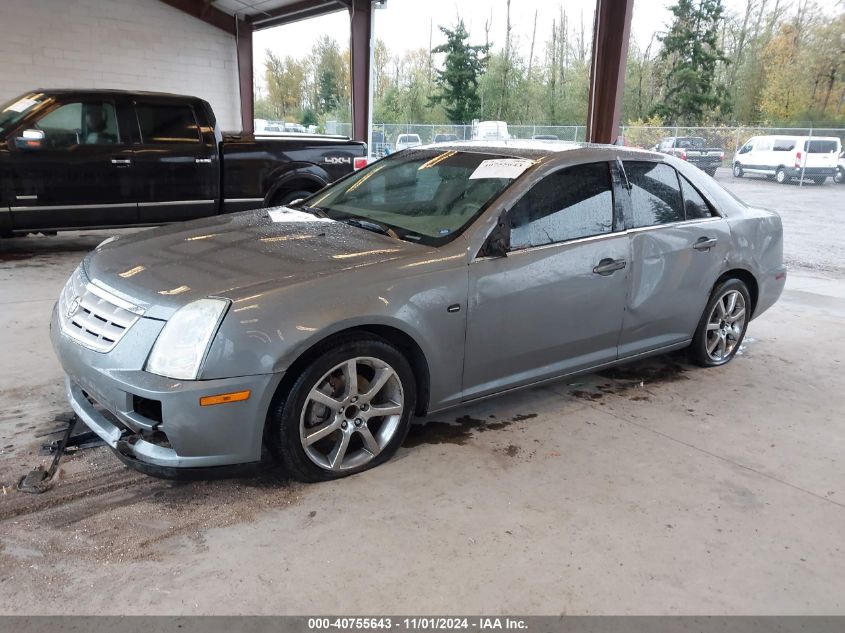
column 176, row 166
column 678, row 246
column 72, row 170
column 821, row 154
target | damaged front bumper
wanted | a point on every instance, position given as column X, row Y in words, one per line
column 156, row 424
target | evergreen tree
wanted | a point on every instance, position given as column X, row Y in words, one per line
column 689, row 61
column 458, row 81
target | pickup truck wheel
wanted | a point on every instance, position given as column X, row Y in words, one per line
column 839, row 176
column 738, row 173
column 348, row 411
column 286, row 197
column 722, row 326
column 780, row 176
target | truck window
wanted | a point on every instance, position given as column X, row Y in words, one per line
column 166, row 123
column 784, row 145
column 90, row 123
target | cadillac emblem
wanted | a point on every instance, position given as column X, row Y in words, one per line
column 73, row 307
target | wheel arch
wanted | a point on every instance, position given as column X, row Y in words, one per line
column 748, row 279
column 400, row 339
column 303, row 178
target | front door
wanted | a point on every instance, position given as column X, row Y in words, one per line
column 70, row 170
column 554, row 304
column 177, row 170
column 678, row 247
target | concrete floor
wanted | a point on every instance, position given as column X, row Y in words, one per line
column 653, row 489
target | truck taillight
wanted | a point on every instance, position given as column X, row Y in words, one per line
column 683, row 154
column 797, row 160
column 721, row 155
column 359, row 162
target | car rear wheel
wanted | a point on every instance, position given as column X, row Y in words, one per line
column 780, row 176
column 738, row 173
column 348, row 411
column 839, row 176
column 723, row 324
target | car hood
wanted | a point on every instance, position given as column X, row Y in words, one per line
column 233, row 255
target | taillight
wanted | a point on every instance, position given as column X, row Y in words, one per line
column 683, row 154
column 721, row 155
column 359, row 162
column 797, row 159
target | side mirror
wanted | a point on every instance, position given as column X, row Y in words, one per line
column 499, row 241
column 30, row 139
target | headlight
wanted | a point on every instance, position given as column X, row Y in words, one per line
column 181, row 347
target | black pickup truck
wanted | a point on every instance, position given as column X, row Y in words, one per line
column 694, row 150
column 74, row 159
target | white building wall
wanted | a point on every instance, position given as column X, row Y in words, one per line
column 123, row 44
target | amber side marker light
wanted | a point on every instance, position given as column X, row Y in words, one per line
column 223, row 398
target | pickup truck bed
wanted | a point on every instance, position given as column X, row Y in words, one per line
column 76, row 159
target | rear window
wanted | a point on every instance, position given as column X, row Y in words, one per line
column 690, row 142
column 655, row 193
column 166, row 123
column 821, row 147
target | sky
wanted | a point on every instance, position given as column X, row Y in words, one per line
column 405, row 24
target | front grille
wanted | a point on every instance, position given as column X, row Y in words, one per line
column 92, row 316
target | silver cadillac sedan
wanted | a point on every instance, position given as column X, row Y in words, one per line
column 432, row 278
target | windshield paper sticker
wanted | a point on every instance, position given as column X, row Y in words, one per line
column 21, row 104
column 509, row 168
column 286, row 214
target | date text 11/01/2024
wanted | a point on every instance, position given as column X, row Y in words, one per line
column 417, row 623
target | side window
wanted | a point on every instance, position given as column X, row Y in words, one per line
column 80, row 123
column 765, row 145
column 572, row 203
column 784, row 145
column 165, row 123
column 747, row 147
column 695, row 206
column 655, row 193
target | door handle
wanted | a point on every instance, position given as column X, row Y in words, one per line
column 202, row 160
column 705, row 243
column 121, row 162
column 608, row 266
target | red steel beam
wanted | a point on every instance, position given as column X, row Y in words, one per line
column 611, row 29
column 245, row 75
column 360, row 12
column 202, row 10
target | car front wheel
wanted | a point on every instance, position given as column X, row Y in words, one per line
column 738, row 173
column 723, row 324
column 780, row 175
column 348, row 411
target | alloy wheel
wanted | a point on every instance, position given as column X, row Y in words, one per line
column 725, row 325
column 351, row 414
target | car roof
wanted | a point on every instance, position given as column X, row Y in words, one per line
column 533, row 149
column 110, row 92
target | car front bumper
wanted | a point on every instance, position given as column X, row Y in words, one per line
column 156, row 424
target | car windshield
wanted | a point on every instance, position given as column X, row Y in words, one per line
column 13, row 111
column 428, row 196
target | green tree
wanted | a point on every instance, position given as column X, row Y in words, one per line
column 689, row 61
column 458, row 81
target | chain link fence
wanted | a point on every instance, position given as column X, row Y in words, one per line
column 728, row 138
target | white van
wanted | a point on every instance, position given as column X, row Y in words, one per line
column 490, row 130
column 788, row 157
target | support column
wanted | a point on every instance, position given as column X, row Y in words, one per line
column 360, row 12
column 245, row 76
column 611, row 30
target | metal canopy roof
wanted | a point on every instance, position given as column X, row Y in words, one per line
column 266, row 13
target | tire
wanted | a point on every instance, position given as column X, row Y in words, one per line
column 839, row 176
column 366, row 440
column 780, row 176
column 715, row 346
column 738, row 173
column 286, row 197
